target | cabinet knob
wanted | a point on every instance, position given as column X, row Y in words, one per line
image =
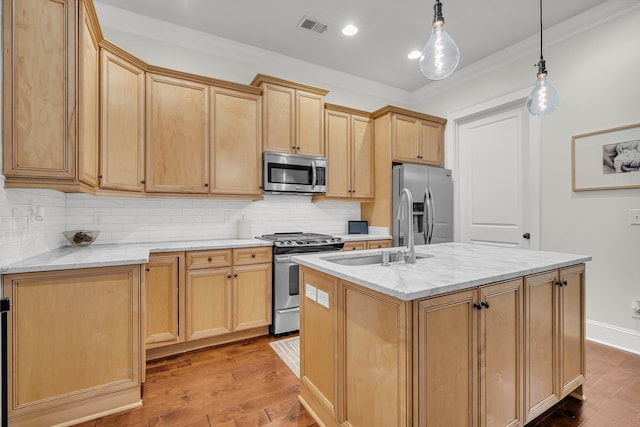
column 209, row 259
column 485, row 304
column 477, row 306
column 143, row 182
column 235, row 275
column 564, row 283
column 206, row 184
column 146, row 269
column 253, row 255
column 228, row 276
column 561, row 283
column 526, row 236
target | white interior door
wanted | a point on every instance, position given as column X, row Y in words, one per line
column 497, row 198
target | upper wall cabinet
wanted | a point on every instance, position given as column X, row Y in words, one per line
column 122, row 119
column 177, row 135
column 50, row 65
column 349, row 150
column 293, row 116
column 416, row 138
column 236, row 134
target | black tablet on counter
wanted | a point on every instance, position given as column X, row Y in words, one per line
column 358, row 227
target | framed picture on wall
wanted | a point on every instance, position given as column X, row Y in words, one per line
column 607, row 159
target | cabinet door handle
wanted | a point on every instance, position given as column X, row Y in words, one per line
column 143, row 182
column 477, row 306
column 564, row 283
column 559, row 283
column 485, row 304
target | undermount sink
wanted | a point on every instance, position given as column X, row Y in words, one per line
column 368, row 259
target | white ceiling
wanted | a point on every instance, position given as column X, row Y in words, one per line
column 388, row 29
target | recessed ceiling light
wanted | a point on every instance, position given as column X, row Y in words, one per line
column 414, row 54
column 349, row 30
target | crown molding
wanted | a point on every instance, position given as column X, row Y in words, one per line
column 571, row 27
column 257, row 58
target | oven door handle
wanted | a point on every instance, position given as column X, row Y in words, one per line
column 282, row 258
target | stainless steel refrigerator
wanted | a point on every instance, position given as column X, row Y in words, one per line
column 432, row 191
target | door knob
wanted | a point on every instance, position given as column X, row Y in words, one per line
column 526, row 236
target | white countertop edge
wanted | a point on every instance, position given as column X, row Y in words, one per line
column 72, row 257
column 359, row 237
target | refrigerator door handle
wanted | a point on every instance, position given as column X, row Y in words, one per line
column 425, row 217
column 432, row 215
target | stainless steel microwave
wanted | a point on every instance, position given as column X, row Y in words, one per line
column 291, row 173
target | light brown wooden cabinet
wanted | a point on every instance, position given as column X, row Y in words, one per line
column 236, row 134
column 349, row 148
column 293, row 116
column 164, row 301
column 217, row 296
column 50, row 69
column 361, row 245
column 465, row 358
column 554, row 338
column 177, row 135
column 122, row 120
column 74, row 345
column 416, row 140
column 470, row 357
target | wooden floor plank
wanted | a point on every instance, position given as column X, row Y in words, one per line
column 247, row 384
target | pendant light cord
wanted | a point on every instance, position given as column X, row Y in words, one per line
column 541, row 58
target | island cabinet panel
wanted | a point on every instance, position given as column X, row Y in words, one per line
column 554, row 338
column 75, row 343
column 236, row 135
column 447, row 358
column 164, row 300
column 321, row 363
column 501, row 359
column 122, row 121
column 375, row 358
column 177, row 135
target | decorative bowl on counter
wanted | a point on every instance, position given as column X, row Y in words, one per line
column 81, row 237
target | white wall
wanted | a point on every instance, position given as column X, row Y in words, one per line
column 596, row 74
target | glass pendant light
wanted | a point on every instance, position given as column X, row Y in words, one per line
column 440, row 56
column 544, row 98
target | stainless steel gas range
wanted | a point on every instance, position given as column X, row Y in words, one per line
column 286, row 302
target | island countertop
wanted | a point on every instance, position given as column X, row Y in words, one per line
column 447, row 267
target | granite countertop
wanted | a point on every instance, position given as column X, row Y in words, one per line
column 447, row 267
column 70, row 257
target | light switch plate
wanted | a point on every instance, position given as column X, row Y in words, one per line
column 310, row 291
column 323, row 298
column 634, row 216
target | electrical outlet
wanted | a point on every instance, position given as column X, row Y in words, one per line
column 634, row 216
column 635, row 306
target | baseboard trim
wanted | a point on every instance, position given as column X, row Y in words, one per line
column 613, row 336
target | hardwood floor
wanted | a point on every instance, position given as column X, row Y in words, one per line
column 246, row 384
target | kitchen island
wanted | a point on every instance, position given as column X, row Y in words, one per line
column 466, row 336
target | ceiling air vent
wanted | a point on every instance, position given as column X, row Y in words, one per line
column 312, row 25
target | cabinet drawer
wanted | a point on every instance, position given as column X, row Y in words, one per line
column 208, row 259
column 378, row 244
column 256, row 255
column 355, row 246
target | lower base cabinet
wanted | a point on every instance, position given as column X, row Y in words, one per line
column 487, row 356
column 200, row 298
column 75, row 344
